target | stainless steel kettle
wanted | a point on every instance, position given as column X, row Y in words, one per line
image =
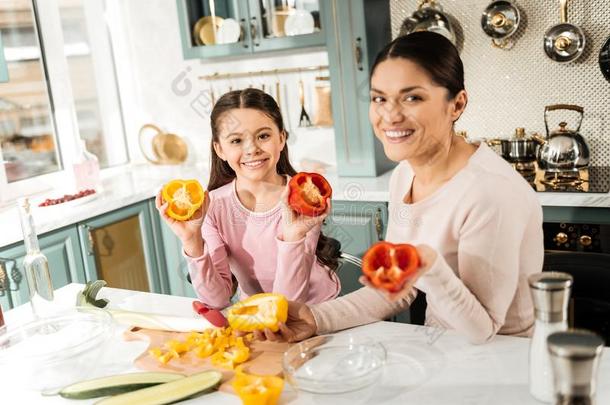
column 563, row 149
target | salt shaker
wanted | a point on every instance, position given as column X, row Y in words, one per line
column 550, row 293
column 575, row 357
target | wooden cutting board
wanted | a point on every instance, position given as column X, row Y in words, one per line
column 265, row 357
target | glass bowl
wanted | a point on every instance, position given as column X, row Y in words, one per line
column 332, row 364
column 52, row 352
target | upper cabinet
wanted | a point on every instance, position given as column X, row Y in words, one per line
column 3, row 67
column 361, row 28
column 220, row 28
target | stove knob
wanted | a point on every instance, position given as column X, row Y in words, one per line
column 585, row 240
column 561, row 238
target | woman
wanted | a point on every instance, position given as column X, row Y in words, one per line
column 476, row 222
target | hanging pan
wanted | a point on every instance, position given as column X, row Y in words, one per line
column 564, row 42
column 499, row 21
column 604, row 59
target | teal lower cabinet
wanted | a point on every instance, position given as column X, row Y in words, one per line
column 119, row 247
column 356, row 225
column 65, row 265
column 171, row 262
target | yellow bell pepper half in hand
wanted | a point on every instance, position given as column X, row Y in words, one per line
column 257, row 389
column 258, row 312
column 183, row 197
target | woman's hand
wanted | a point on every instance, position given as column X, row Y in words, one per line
column 189, row 232
column 299, row 326
column 427, row 257
column 294, row 225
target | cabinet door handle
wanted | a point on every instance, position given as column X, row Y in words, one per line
column 90, row 240
column 379, row 225
column 254, row 32
column 242, row 23
column 358, row 53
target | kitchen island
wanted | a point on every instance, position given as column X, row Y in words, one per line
column 425, row 365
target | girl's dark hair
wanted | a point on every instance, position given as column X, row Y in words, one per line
column 432, row 52
column 220, row 171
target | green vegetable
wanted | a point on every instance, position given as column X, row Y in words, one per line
column 116, row 384
column 170, row 392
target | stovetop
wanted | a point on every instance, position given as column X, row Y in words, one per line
column 594, row 179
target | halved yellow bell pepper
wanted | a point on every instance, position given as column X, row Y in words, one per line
column 258, row 312
column 257, row 389
column 184, row 197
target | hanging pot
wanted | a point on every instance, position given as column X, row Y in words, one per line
column 500, row 20
column 564, row 42
column 563, row 149
column 604, row 59
column 429, row 17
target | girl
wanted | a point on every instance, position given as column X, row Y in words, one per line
column 476, row 222
column 245, row 232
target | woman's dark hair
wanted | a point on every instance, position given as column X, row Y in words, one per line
column 432, row 52
column 220, row 171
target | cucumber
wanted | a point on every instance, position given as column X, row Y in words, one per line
column 169, row 392
column 116, row 384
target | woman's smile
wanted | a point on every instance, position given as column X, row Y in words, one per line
column 398, row 135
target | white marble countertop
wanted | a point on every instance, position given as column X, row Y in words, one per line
column 125, row 185
column 425, row 365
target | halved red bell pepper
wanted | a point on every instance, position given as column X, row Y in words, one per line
column 308, row 193
column 389, row 266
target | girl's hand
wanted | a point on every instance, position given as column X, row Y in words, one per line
column 295, row 226
column 189, row 232
column 427, row 257
column 299, row 326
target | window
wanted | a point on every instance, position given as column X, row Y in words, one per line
column 61, row 88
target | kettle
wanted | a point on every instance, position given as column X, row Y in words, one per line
column 563, row 150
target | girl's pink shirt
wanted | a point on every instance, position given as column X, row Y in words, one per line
column 248, row 244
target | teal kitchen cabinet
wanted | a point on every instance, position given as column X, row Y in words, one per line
column 359, row 30
column 63, row 252
column 261, row 24
column 171, row 262
column 3, row 64
column 357, row 225
column 119, row 247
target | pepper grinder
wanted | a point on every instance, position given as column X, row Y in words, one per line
column 575, row 357
column 551, row 294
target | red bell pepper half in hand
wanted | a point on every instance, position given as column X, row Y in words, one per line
column 308, row 193
column 389, row 266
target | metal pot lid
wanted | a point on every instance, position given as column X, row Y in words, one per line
column 604, row 59
column 521, row 135
column 564, row 42
column 500, row 19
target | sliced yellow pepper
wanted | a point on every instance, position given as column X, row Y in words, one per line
column 257, row 390
column 258, row 312
column 184, row 197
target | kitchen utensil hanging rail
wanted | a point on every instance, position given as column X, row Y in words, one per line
column 220, row 76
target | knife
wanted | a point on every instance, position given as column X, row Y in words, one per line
column 214, row 316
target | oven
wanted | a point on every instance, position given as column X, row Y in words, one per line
column 582, row 250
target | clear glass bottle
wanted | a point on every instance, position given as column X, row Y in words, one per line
column 86, row 169
column 551, row 294
column 35, row 264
